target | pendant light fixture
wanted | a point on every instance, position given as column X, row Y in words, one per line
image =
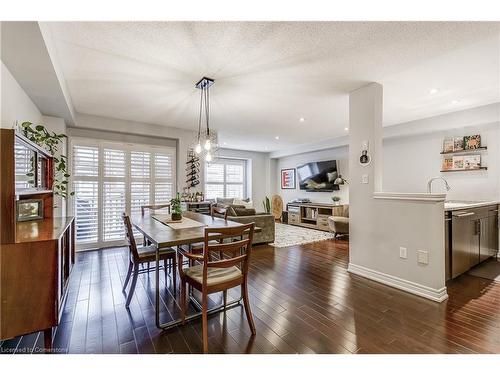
column 206, row 141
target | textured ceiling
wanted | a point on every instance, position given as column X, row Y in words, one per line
column 268, row 75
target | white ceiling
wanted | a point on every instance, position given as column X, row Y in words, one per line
column 269, row 74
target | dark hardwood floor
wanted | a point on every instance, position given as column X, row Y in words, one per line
column 303, row 300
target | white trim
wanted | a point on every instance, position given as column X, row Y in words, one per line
column 416, row 197
column 438, row 295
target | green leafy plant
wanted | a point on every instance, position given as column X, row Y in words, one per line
column 175, row 204
column 336, row 199
column 267, row 205
column 50, row 141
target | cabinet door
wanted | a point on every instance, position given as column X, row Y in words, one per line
column 462, row 229
column 484, row 239
column 475, row 237
column 493, row 232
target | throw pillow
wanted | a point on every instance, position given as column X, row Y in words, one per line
column 224, row 201
column 241, row 211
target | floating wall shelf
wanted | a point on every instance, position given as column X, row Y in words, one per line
column 465, row 170
column 464, row 151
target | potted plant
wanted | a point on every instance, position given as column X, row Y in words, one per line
column 336, row 200
column 176, row 208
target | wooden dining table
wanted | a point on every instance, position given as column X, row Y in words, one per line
column 162, row 235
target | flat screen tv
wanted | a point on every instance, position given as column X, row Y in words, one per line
column 318, row 176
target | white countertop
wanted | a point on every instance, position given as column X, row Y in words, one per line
column 464, row 205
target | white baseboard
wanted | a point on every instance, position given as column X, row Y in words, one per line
column 438, row 295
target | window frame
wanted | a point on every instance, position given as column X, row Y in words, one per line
column 127, row 179
column 228, row 161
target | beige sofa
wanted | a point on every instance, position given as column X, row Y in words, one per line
column 339, row 225
column 244, row 215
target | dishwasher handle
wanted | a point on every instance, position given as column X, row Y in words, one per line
column 465, row 214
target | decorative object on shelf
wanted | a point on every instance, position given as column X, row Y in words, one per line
column 472, row 142
column 176, row 208
column 288, row 178
column 267, row 205
column 29, row 209
column 206, row 143
column 472, row 161
column 448, row 145
column 447, row 163
column 51, row 142
column 458, row 144
column 336, row 200
column 340, row 180
column 458, row 162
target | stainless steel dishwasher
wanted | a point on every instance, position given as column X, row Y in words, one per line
column 462, row 227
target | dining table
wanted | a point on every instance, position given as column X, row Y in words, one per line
column 161, row 232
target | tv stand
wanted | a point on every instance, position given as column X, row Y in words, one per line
column 312, row 215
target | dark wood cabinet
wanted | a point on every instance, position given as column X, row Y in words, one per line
column 36, row 256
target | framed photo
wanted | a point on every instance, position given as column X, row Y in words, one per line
column 288, row 178
column 471, row 142
column 29, row 209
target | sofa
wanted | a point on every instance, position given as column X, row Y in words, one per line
column 339, row 225
column 244, row 215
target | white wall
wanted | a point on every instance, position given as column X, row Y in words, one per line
column 409, row 162
column 260, row 173
column 15, row 103
column 380, row 225
column 340, row 154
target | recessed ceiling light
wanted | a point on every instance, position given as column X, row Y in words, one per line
column 277, row 137
column 455, row 102
column 346, row 129
column 266, row 148
column 434, row 91
column 225, row 143
column 302, row 119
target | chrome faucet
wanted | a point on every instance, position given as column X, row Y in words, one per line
column 429, row 184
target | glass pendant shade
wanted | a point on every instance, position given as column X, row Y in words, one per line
column 197, row 149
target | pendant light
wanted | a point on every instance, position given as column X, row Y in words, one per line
column 205, row 144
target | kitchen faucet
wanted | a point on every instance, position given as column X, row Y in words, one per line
column 429, row 184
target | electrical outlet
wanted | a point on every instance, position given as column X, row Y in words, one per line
column 422, row 257
column 364, row 179
column 403, row 253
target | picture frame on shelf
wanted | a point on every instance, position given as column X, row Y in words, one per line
column 458, row 144
column 288, row 178
column 472, row 142
column 472, row 161
column 448, row 144
column 447, row 164
column 458, row 163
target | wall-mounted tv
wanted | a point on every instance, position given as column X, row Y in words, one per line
column 318, row 176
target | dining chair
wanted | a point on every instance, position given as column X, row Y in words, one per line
column 154, row 207
column 212, row 276
column 145, row 254
column 197, row 248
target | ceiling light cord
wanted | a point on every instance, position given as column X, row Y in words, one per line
column 199, row 117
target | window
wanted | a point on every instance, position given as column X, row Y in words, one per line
column 112, row 178
column 226, row 178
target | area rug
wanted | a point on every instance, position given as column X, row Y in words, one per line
column 291, row 235
column 488, row 270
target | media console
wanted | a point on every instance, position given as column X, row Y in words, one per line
column 312, row 215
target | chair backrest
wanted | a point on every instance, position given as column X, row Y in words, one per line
column 218, row 210
column 129, row 234
column 239, row 251
column 154, row 207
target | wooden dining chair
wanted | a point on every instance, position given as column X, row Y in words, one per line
column 145, row 254
column 221, row 211
column 212, row 276
column 154, row 207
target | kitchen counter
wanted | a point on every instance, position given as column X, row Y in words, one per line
column 464, row 205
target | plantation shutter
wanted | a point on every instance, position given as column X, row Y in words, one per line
column 85, row 173
column 114, row 200
column 225, row 178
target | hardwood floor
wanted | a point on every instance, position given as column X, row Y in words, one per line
column 303, row 301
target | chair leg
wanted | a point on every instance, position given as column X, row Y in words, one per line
column 204, row 313
column 224, row 295
column 174, row 273
column 183, row 301
column 246, row 303
column 132, row 286
column 165, row 270
column 129, row 272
